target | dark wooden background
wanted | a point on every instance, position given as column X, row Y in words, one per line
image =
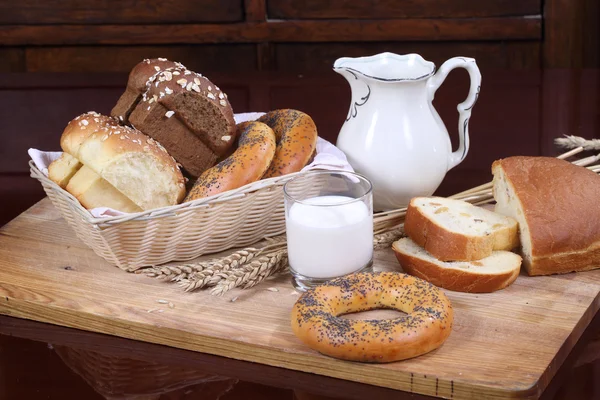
column 59, row 58
column 303, row 35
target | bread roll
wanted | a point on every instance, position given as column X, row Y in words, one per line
column 188, row 114
column 136, row 165
column 557, row 206
column 81, row 127
column 77, row 130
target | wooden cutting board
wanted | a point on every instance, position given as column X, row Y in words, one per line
column 506, row 344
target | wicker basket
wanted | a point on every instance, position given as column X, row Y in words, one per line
column 182, row 232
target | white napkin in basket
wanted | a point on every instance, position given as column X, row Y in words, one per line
column 328, row 157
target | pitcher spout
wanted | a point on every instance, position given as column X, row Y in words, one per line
column 386, row 67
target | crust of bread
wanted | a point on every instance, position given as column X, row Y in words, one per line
column 563, row 263
column 507, row 239
column 137, row 84
column 559, row 203
column 81, row 127
column 446, row 245
column 454, row 279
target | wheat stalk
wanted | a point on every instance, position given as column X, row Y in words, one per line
column 252, row 273
column 570, row 142
column 205, row 273
column 175, row 272
column 385, row 240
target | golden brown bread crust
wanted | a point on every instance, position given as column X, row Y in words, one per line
column 81, row 127
column 296, row 136
column 560, row 202
column 315, row 317
column 441, row 243
column 454, row 279
column 255, row 151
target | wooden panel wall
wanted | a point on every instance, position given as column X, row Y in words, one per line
column 383, row 9
column 233, row 35
column 229, row 35
column 571, row 34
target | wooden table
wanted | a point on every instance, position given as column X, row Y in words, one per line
column 508, row 344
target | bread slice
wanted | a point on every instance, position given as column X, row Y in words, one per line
column 61, row 170
column 92, row 191
column 558, row 209
column 489, row 274
column 454, row 230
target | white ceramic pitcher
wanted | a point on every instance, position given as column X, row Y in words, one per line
column 393, row 135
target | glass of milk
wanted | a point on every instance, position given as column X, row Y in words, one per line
column 329, row 226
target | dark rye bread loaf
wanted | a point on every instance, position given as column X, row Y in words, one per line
column 189, row 115
column 140, row 78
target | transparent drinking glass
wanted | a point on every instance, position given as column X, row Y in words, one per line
column 329, row 226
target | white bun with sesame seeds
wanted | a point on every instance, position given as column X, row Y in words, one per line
column 124, row 169
column 78, row 129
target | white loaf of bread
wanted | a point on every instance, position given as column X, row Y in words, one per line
column 489, row 274
column 557, row 205
column 455, row 230
column 122, row 168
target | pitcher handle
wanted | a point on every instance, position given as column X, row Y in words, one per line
column 464, row 108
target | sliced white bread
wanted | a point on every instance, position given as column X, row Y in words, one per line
column 557, row 206
column 454, row 230
column 489, row 274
